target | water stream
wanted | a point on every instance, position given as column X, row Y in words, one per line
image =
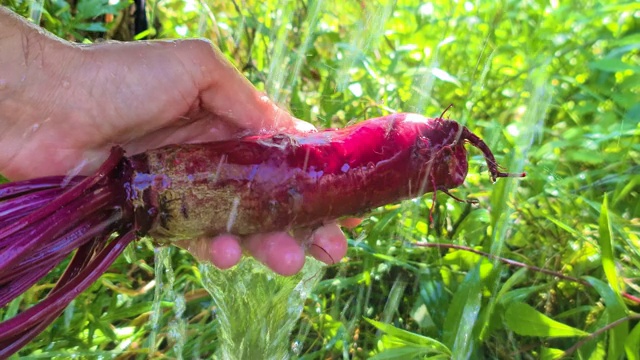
column 257, row 309
column 164, row 291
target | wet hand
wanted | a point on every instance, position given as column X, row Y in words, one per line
column 63, row 106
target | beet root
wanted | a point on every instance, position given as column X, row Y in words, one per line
column 242, row 186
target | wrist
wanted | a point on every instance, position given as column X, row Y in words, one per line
column 30, row 63
column 29, row 55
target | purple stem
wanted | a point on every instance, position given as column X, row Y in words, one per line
column 17, row 208
column 16, row 332
column 13, row 189
column 21, row 340
column 83, row 256
column 59, row 248
column 70, row 195
column 42, row 232
column 21, row 202
column 12, row 290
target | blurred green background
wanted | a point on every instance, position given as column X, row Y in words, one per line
column 553, row 87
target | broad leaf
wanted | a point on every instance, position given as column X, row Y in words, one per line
column 410, row 338
column 527, row 321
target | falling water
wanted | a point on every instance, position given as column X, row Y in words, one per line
column 165, row 292
column 368, row 32
column 256, row 310
column 35, row 10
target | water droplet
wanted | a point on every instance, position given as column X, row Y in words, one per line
column 306, row 160
column 74, row 172
column 65, row 84
column 296, row 347
column 233, row 214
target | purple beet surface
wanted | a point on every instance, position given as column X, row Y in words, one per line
column 241, row 186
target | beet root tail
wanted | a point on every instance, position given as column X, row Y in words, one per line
column 494, row 168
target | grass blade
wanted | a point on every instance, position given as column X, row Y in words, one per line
column 615, row 309
column 632, row 344
column 606, row 247
column 462, row 315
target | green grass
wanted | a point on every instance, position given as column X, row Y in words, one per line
column 553, row 89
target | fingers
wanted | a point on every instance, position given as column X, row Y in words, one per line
column 223, row 251
column 303, row 126
column 328, row 244
column 285, row 255
column 350, row 223
column 279, row 251
column 225, row 92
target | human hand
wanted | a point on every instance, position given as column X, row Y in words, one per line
column 63, row 106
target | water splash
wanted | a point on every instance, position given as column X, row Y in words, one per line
column 257, row 309
column 233, row 214
column 74, row 172
column 35, row 10
column 156, row 308
column 286, row 63
column 369, row 31
column 165, row 292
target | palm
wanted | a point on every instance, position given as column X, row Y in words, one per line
column 137, row 101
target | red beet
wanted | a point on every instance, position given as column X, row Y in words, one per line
column 241, row 186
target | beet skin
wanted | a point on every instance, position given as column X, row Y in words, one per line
column 242, row 186
column 269, row 183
